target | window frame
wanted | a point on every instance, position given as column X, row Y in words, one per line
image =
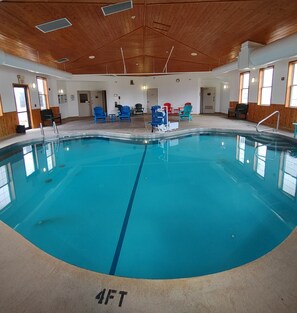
column 45, row 94
column 1, row 107
column 241, row 88
column 290, row 83
column 261, row 87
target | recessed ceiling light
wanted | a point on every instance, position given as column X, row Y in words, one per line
column 194, row 54
column 136, row 64
column 91, row 57
column 133, row 17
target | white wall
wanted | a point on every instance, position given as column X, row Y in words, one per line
column 224, row 97
column 169, row 90
column 129, row 94
column 187, row 90
column 177, row 93
column 279, row 84
column 8, row 77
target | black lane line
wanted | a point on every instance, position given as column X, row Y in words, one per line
column 126, row 219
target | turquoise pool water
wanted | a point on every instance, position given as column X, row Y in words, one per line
column 172, row 208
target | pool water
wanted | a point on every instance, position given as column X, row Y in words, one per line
column 173, row 208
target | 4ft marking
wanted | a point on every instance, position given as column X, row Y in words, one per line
column 111, row 295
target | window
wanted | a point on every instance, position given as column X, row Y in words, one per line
column 1, row 108
column 265, row 86
column 291, row 98
column 244, row 87
column 42, row 93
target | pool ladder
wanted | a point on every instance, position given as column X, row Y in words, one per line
column 266, row 118
column 55, row 128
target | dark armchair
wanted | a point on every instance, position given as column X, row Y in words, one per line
column 138, row 108
column 238, row 111
column 48, row 116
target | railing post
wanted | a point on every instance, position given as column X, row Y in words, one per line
column 42, row 130
column 56, row 131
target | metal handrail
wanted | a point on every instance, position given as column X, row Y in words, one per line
column 42, row 130
column 56, row 131
column 266, row 118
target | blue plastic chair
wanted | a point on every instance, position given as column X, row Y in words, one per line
column 99, row 114
column 185, row 113
column 125, row 113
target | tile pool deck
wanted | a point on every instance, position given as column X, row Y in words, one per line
column 33, row 281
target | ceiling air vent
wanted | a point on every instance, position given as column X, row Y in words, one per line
column 62, row 60
column 116, row 8
column 54, row 25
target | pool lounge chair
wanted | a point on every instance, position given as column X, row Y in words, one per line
column 138, row 108
column 48, row 116
column 168, row 106
column 99, row 114
column 185, row 114
column 125, row 113
column 241, row 109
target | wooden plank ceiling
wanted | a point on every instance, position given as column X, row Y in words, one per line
column 213, row 29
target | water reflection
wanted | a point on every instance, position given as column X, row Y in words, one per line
column 280, row 166
column 240, row 148
column 260, row 159
column 288, row 174
column 7, row 193
column 29, row 159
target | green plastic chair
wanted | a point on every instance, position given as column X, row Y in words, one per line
column 185, row 113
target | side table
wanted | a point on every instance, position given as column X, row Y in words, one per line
column 112, row 117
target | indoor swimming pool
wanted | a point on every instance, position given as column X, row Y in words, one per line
column 154, row 209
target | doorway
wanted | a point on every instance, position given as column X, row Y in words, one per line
column 152, row 98
column 22, row 105
column 87, row 100
column 84, row 104
column 208, row 100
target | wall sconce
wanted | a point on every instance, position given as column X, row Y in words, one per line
column 144, row 87
column 253, row 80
column 60, row 91
column 33, row 85
column 226, row 86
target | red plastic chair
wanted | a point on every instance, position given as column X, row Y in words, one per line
column 168, row 106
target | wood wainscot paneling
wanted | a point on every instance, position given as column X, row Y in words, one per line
column 36, row 119
column 287, row 115
column 56, row 110
column 8, row 123
column 232, row 104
